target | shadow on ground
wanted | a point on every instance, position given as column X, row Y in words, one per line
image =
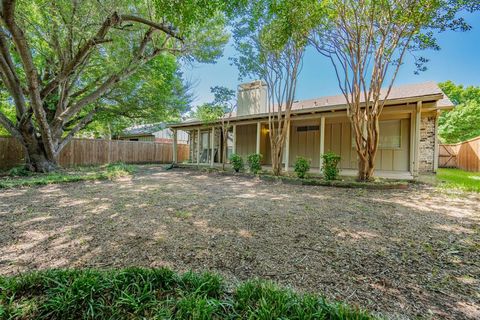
column 400, row 252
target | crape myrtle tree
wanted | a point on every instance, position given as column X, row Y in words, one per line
column 220, row 110
column 271, row 40
column 367, row 40
column 60, row 60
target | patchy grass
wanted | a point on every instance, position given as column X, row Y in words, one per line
column 156, row 294
column 458, row 179
column 18, row 177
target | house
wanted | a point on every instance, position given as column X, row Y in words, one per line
column 156, row 132
column 408, row 142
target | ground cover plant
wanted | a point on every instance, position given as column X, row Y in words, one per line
column 156, row 293
column 302, row 166
column 19, row 177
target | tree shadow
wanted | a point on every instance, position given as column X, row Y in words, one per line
column 401, row 252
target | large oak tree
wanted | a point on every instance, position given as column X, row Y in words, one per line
column 59, row 60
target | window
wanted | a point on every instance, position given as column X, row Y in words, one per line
column 390, row 134
column 308, row 128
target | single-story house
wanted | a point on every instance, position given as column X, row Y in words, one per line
column 408, row 131
column 157, row 132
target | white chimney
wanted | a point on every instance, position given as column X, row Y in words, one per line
column 252, row 98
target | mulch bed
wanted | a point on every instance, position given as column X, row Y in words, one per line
column 403, row 253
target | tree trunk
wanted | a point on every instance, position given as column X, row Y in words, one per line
column 366, row 168
column 38, row 161
column 36, row 157
column 276, row 160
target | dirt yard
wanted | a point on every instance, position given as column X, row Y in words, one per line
column 404, row 253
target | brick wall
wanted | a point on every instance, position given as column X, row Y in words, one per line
column 427, row 144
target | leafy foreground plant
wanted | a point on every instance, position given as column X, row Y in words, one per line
column 302, row 166
column 254, row 161
column 110, row 172
column 155, row 294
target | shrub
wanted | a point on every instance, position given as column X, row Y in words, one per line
column 118, row 169
column 20, row 171
column 255, row 162
column 237, row 162
column 302, row 166
column 330, row 165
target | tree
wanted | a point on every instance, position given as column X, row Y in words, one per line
column 220, row 110
column 271, row 40
column 59, row 60
column 463, row 122
column 366, row 41
column 155, row 93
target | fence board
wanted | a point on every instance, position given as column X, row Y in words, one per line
column 98, row 151
column 464, row 155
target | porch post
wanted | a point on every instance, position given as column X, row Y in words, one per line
column 287, row 148
column 418, row 114
column 234, row 147
column 175, row 148
column 259, row 128
column 198, row 147
column 212, row 142
column 322, row 143
column 436, row 150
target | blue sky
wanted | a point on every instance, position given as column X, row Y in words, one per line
column 458, row 60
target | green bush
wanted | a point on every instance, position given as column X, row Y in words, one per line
column 20, row 171
column 237, row 162
column 254, row 161
column 302, row 166
column 330, row 165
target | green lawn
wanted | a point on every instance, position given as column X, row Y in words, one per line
column 19, row 177
column 137, row 293
column 458, row 179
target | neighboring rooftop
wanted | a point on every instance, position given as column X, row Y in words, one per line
column 144, row 129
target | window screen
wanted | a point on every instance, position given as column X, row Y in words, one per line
column 390, row 134
column 308, row 128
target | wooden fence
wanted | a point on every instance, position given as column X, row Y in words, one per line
column 464, row 155
column 97, row 151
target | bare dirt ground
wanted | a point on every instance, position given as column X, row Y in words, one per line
column 404, row 253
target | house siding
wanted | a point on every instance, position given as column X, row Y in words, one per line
column 427, row 144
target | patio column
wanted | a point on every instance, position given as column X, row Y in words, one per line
column 418, row 114
column 234, row 147
column 436, row 150
column 322, row 143
column 287, row 148
column 198, row 147
column 212, row 146
column 259, row 128
column 175, row 147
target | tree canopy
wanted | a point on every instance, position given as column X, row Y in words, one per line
column 463, row 122
column 65, row 63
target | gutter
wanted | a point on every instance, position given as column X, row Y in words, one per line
column 432, row 97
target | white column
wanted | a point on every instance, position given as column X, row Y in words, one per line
column 212, row 146
column 234, row 147
column 198, row 147
column 418, row 115
column 259, row 128
column 287, row 148
column 175, row 148
column 322, row 142
column 435, row 153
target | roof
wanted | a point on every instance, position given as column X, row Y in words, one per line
column 430, row 91
column 397, row 92
column 144, row 129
